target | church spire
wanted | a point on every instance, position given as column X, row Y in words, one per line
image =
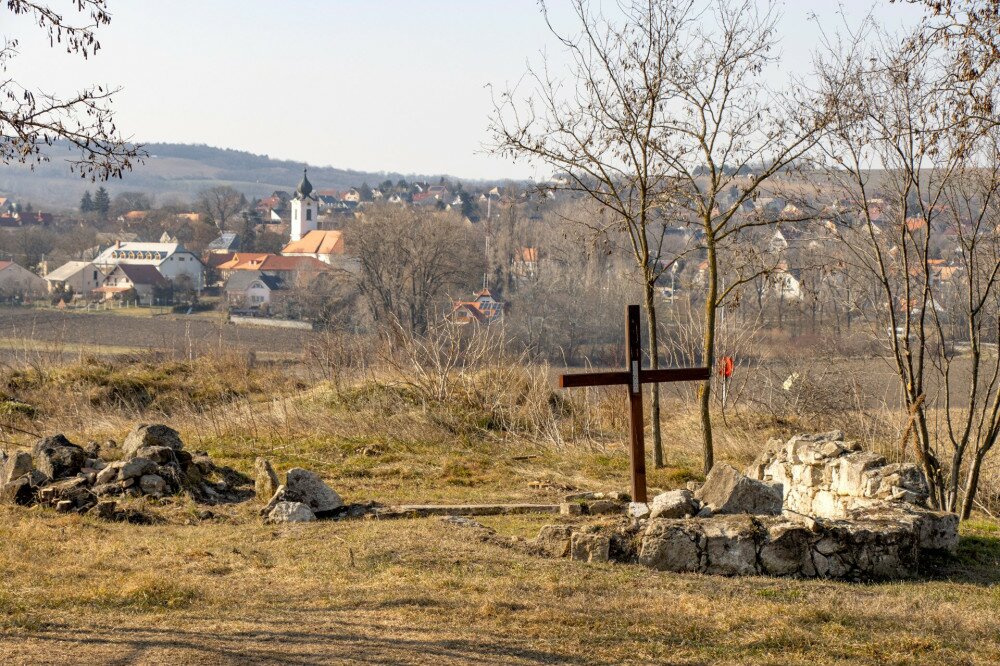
column 305, row 188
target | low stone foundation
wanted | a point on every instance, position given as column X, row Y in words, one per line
column 812, row 507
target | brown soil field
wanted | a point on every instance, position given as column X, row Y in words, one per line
column 166, row 332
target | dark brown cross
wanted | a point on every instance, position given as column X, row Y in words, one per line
column 634, row 377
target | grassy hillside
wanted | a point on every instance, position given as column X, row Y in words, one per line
column 181, row 171
column 226, row 589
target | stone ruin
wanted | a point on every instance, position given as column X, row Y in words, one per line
column 151, row 462
column 812, row 507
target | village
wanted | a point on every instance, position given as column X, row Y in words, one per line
column 562, row 332
column 288, row 257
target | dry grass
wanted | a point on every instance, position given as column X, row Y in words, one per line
column 231, row 590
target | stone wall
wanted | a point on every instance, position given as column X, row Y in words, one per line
column 824, row 476
column 812, row 507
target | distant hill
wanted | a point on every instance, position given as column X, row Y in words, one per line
column 180, row 171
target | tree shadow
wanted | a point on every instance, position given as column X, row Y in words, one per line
column 975, row 562
column 301, row 640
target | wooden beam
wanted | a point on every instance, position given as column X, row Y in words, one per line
column 594, row 379
column 624, row 378
column 674, row 375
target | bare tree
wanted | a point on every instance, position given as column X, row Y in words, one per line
column 598, row 125
column 221, row 204
column 411, row 261
column 903, row 105
column 33, row 121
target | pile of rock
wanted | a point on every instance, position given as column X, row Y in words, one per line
column 152, row 463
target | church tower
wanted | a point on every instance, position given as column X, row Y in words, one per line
column 304, row 209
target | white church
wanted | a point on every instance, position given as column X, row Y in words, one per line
column 307, row 240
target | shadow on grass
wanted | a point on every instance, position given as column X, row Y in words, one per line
column 295, row 640
column 977, row 560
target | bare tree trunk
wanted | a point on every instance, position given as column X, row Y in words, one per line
column 972, row 484
column 654, row 363
column 708, row 354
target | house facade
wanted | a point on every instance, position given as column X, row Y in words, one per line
column 171, row 260
column 145, row 280
column 80, row 277
column 17, row 281
column 253, row 290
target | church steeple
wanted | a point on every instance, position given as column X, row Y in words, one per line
column 305, row 188
column 304, row 209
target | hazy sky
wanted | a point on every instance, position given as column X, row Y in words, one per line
column 395, row 85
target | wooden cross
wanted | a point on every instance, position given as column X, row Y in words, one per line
column 634, row 377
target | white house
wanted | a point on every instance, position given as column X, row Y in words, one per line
column 18, row 281
column 253, row 289
column 145, row 280
column 80, row 276
column 304, row 209
column 171, row 259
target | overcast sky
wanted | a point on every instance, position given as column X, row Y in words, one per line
column 395, row 85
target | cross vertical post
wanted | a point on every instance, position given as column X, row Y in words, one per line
column 633, row 377
column 637, row 449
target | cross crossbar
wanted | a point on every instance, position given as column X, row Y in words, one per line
column 634, row 376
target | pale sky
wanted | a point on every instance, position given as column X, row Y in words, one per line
column 394, row 85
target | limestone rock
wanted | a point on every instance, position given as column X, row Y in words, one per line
column 731, row 546
column 109, row 474
column 554, row 540
column 57, row 457
column 265, row 479
column 786, row 549
column 673, row 504
column 306, row 487
column 638, row 510
column 672, row 545
column 602, row 506
column 13, row 466
column 571, row 508
column 74, row 491
column 291, row 512
column 279, row 496
column 155, row 434
column 727, row 491
column 589, row 547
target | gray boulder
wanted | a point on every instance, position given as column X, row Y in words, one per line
column 306, row 487
column 161, row 455
column 152, row 485
column 727, row 491
column 136, row 468
column 673, row 504
column 19, row 491
column 155, row 434
column 57, row 457
column 291, row 512
column 13, row 466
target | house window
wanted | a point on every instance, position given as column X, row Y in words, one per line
column 309, row 214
